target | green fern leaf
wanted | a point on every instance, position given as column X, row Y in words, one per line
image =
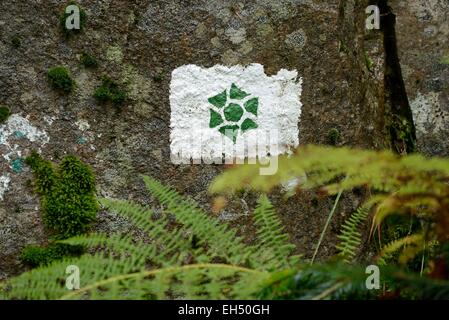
column 350, row 236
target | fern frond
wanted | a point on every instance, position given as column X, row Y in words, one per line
column 342, row 281
column 350, row 236
column 49, row 282
column 414, row 240
column 197, row 281
column 318, row 282
column 382, row 171
column 171, row 244
column 119, row 245
column 164, row 263
column 400, row 203
column 271, row 237
column 322, row 165
column 219, row 239
column 411, row 185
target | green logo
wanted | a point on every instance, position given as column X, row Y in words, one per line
column 233, row 113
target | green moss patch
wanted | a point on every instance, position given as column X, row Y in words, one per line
column 4, row 113
column 88, row 61
column 60, row 79
column 444, row 60
column 109, row 91
column 15, row 42
column 67, row 194
column 35, row 256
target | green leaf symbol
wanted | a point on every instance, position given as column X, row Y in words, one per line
column 252, row 105
column 237, row 93
column 227, row 118
column 215, row 119
column 248, row 124
column 230, row 132
column 219, row 100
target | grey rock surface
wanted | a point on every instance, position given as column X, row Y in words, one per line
column 423, row 33
column 138, row 43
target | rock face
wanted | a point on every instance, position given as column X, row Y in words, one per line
column 138, row 44
column 423, row 33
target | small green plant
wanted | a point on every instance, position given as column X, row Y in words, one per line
column 158, row 77
column 60, row 79
column 350, row 236
column 333, row 136
column 88, row 61
column 15, row 41
column 402, row 132
column 68, row 194
column 369, row 62
column 444, row 60
column 65, row 15
column 36, row 256
column 4, row 113
column 109, row 91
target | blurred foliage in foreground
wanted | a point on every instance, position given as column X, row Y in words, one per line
column 408, row 194
column 181, row 253
column 187, row 253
